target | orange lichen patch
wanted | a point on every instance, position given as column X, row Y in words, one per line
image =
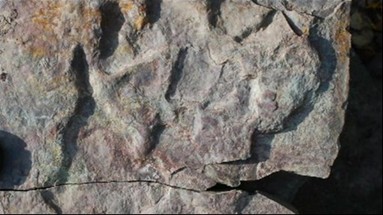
column 140, row 23
column 343, row 40
column 126, row 6
column 125, row 48
column 89, row 16
column 57, row 82
column 44, row 21
column 45, row 16
column 38, row 52
column 43, row 46
column 47, row 26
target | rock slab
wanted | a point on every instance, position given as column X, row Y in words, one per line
column 180, row 95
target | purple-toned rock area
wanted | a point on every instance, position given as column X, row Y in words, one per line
column 144, row 106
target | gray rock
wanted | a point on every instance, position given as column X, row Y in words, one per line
column 135, row 198
column 183, row 93
column 319, row 8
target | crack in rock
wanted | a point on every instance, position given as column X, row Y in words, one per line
column 98, row 182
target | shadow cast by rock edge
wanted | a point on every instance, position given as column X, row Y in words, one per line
column 15, row 161
column 112, row 20
column 85, row 107
column 280, row 187
column 261, row 142
column 153, row 10
column 326, row 72
column 348, row 189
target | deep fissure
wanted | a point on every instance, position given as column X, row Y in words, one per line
column 93, row 183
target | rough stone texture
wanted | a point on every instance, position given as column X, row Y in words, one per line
column 182, row 93
column 147, row 198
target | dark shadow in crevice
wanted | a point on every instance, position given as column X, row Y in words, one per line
column 260, row 150
column 285, row 204
column 247, row 32
column 176, row 73
column 49, row 199
column 260, row 147
column 85, row 107
column 293, row 25
column 280, row 187
column 267, row 20
column 112, row 20
column 243, row 201
column 283, row 185
column 156, row 131
column 15, row 161
column 355, row 182
column 214, row 12
column 153, row 10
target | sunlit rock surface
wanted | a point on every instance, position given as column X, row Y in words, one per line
column 169, row 95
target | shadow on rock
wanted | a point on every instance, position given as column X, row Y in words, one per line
column 15, row 161
column 355, row 183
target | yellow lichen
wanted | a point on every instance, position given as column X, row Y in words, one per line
column 343, row 38
column 306, row 31
column 89, row 15
column 56, row 154
column 44, row 21
column 140, row 23
column 45, row 17
column 126, row 6
column 57, row 82
column 38, row 52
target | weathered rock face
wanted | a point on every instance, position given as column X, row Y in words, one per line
column 178, row 94
column 136, row 198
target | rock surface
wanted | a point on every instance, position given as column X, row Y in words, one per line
column 355, row 183
column 133, row 198
column 186, row 94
